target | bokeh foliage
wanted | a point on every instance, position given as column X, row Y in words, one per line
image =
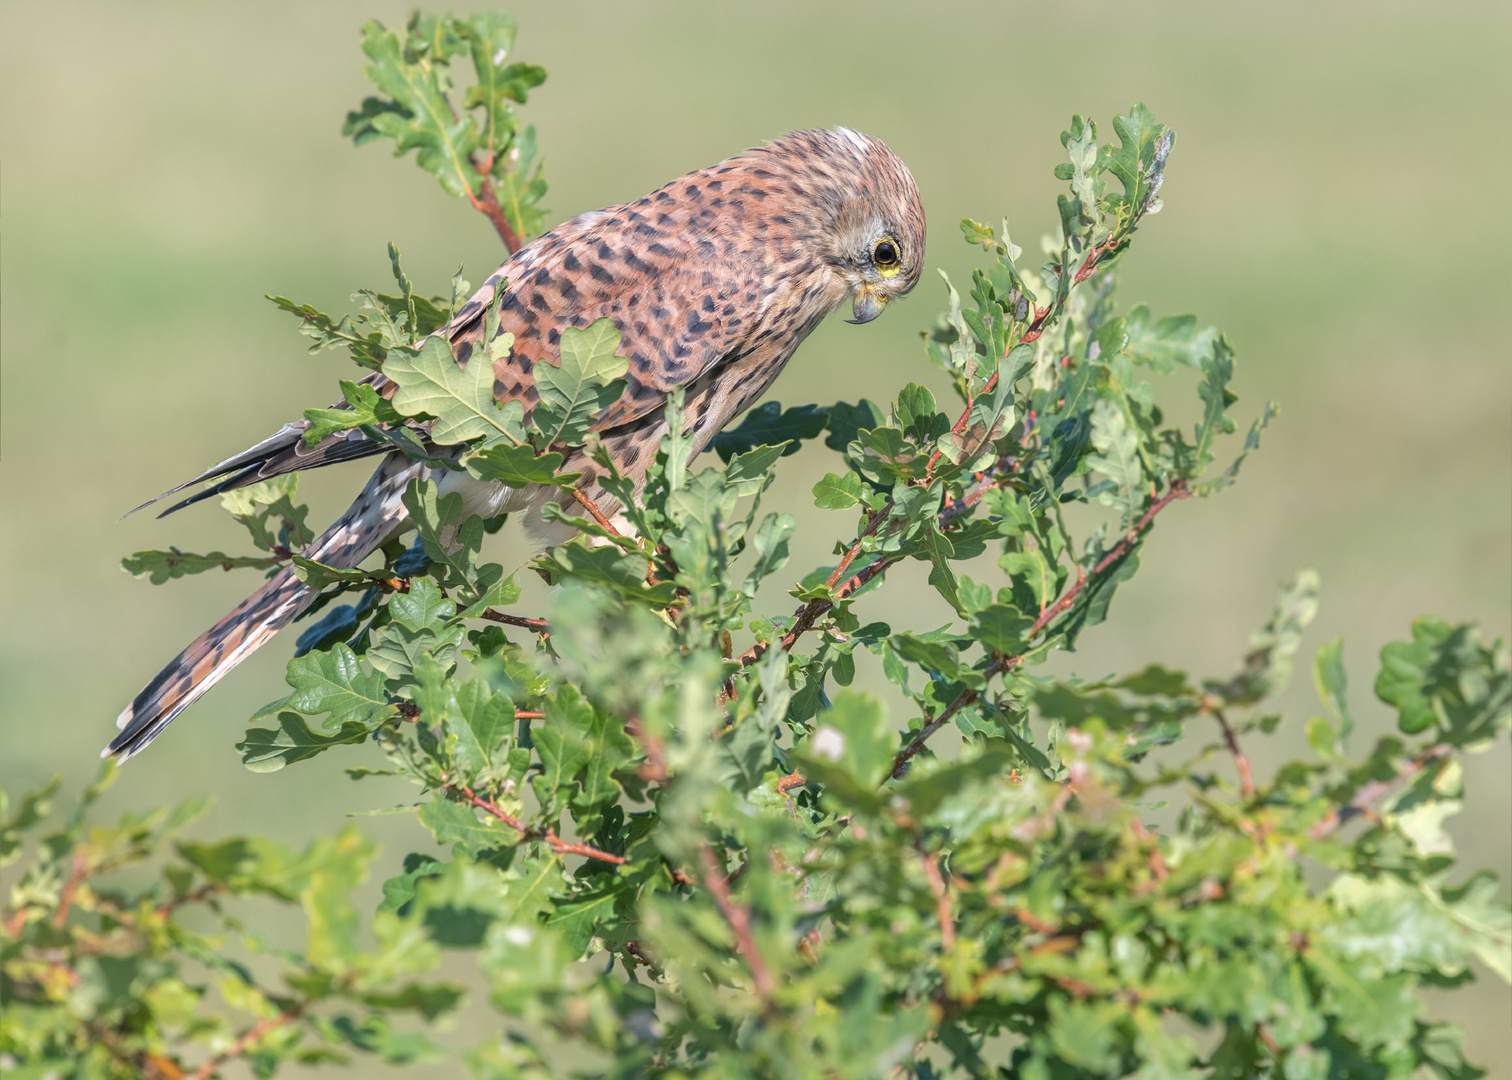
column 785, row 882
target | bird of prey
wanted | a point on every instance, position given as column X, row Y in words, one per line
column 712, row 281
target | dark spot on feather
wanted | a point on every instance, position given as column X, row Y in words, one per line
column 600, row 274
column 659, row 249
column 692, row 192
column 571, row 264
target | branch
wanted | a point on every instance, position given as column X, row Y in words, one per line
column 655, row 768
column 488, row 205
column 597, row 514
column 538, row 626
column 552, row 840
column 1231, row 740
column 76, row 875
column 248, row 1040
column 1372, row 791
column 941, row 894
column 740, row 922
column 1001, row 662
column 998, row 664
column 809, row 614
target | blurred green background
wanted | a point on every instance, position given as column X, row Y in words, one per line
column 1335, row 203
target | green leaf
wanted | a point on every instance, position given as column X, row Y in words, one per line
column 259, row 506
column 334, row 682
column 838, row 492
column 1329, row 676
column 769, row 425
column 431, row 383
column 1218, row 372
column 455, row 823
column 418, row 117
column 161, row 566
column 423, row 607
column 1133, row 160
column 1117, row 458
column 270, row 749
column 747, row 474
column 1161, row 345
column 483, row 721
column 578, row 918
column 367, row 349
column 517, row 466
column 367, row 407
column 1002, row 628
column 586, row 382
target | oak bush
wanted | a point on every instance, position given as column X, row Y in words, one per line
column 662, row 825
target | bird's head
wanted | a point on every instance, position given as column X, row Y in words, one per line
column 864, row 215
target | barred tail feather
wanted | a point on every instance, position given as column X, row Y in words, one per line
column 377, row 515
column 209, row 658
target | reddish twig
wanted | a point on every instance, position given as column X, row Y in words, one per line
column 941, row 895
column 248, row 1040
column 536, row 626
column 740, row 922
column 1178, row 490
column 960, row 424
column 811, row 612
column 1231, row 740
column 594, row 512
column 488, row 203
column 655, row 768
column 76, row 875
column 1000, row 662
column 526, row 714
column 1372, row 791
column 549, row 836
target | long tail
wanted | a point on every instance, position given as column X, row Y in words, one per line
column 377, row 515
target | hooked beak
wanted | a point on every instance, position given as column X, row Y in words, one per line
column 867, row 307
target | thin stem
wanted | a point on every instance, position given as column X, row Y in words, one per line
column 549, row 836
column 487, row 203
column 1231, row 740
column 538, row 626
column 248, row 1040
column 739, row 919
column 941, row 895
column 597, row 514
column 1372, row 791
column 1001, row 662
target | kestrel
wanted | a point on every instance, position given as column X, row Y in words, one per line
column 712, row 281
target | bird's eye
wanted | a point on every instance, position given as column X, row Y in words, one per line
column 885, row 254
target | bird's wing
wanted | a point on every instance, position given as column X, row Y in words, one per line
column 679, row 307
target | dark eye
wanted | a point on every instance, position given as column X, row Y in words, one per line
column 885, row 253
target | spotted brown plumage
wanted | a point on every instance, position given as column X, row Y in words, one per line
column 712, row 281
